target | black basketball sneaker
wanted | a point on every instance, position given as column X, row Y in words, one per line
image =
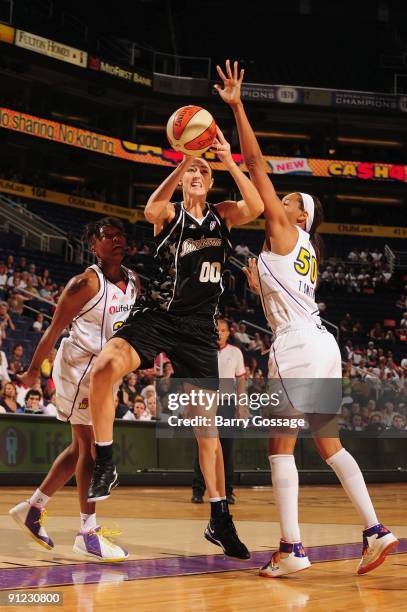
column 222, row 532
column 104, row 479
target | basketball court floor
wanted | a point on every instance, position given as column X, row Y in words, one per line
column 172, row 567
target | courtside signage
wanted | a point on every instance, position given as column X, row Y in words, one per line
column 53, row 49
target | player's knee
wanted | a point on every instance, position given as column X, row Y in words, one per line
column 105, row 370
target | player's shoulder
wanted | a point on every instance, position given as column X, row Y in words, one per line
column 88, row 280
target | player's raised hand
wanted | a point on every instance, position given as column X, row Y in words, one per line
column 232, row 81
column 251, row 273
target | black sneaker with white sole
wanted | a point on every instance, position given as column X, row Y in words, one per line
column 104, row 479
column 222, row 532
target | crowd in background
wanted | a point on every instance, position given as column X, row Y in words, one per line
column 374, row 381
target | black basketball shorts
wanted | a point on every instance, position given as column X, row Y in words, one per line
column 189, row 341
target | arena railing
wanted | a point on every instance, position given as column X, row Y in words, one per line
column 36, row 232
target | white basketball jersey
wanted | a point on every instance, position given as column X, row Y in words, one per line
column 103, row 314
column 287, row 284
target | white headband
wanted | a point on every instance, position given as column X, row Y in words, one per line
column 309, row 206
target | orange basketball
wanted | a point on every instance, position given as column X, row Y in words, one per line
column 191, row 130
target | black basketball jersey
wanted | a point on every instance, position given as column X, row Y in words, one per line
column 190, row 255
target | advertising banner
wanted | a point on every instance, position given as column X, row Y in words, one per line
column 65, row 199
column 53, row 49
column 7, row 33
column 145, row 154
column 127, row 74
column 360, row 100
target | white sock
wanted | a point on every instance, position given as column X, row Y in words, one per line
column 88, row 521
column 351, row 478
column 39, row 499
column 216, row 499
column 104, row 443
column 284, row 476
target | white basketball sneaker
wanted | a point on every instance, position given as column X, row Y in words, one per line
column 290, row 558
column 31, row 519
column 98, row 544
column 378, row 542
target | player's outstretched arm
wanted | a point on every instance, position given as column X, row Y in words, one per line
column 244, row 211
column 79, row 290
column 230, row 93
column 159, row 209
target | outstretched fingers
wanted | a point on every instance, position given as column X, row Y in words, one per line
column 221, row 73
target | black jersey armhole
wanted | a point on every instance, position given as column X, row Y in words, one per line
column 167, row 229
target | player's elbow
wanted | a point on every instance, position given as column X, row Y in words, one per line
column 150, row 214
column 254, row 161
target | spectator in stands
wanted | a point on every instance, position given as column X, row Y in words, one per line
column 129, row 389
column 44, row 279
column 132, row 249
column 402, row 302
column 398, row 423
column 8, row 398
column 242, row 335
column 356, row 423
column 376, row 255
column 30, row 288
column 10, row 265
column 376, row 333
column 47, row 291
column 50, row 409
column 242, row 251
column 388, row 413
column 145, row 249
column 256, row 344
column 3, row 280
column 375, row 424
column 344, row 418
column 151, row 407
column 403, row 322
column 33, row 274
column 16, row 301
column 38, row 325
column 353, row 255
column 22, row 264
column 32, row 404
column 346, row 324
column 17, row 362
column 120, row 408
column 5, row 320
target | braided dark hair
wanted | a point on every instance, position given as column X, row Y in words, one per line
column 92, row 230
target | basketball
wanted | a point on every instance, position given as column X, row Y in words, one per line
column 191, row 130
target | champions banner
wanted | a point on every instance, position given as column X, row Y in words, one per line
column 145, row 154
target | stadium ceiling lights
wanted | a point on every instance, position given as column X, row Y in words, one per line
column 371, row 199
column 283, row 135
column 369, row 142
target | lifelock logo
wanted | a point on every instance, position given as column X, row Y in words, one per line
column 117, row 309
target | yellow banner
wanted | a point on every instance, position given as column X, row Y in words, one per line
column 55, row 197
column 145, row 154
column 354, row 229
column 134, row 215
column 6, row 33
column 349, row 229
